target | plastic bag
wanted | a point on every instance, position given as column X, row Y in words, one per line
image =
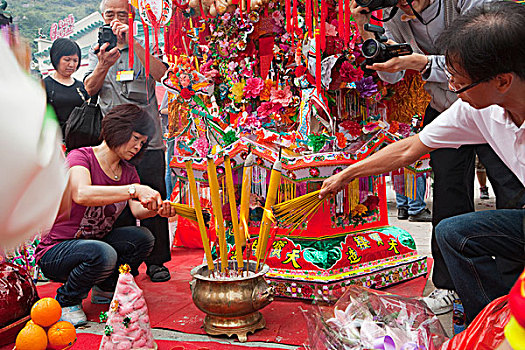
column 486, row 331
column 368, row 319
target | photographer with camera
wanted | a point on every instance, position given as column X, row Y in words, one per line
column 420, row 23
column 109, row 76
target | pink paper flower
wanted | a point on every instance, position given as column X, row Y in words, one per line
column 253, row 87
column 267, row 108
column 330, row 30
column 349, row 73
column 283, row 96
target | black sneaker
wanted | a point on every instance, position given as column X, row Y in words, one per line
column 423, row 216
column 402, row 213
column 484, row 192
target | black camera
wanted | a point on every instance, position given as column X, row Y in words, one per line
column 376, row 4
column 106, row 35
column 376, row 51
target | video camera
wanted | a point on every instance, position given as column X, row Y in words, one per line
column 376, row 51
column 374, row 5
column 106, row 35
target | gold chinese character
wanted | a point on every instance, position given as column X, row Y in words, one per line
column 393, row 245
column 292, row 257
column 352, row 256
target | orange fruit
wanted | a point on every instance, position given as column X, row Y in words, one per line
column 31, row 337
column 46, row 312
column 61, row 335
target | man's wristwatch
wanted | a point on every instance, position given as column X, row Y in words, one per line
column 132, row 190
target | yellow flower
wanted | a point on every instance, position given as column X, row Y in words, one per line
column 359, row 210
column 238, row 91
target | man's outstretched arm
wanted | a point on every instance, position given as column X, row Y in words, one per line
column 392, row 157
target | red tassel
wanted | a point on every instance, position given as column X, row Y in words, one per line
column 295, row 18
column 308, row 17
column 146, row 48
column 347, row 22
column 288, row 16
column 323, row 24
column 341, row 19
column 130, row 37
column 248, row 7
column 318, row 61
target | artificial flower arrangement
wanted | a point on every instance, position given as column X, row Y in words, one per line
column 270, row 84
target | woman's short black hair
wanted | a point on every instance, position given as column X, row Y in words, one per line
column 487, row 41
column 120, row 123
column 64, row 47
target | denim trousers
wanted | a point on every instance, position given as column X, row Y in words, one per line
column 414, row 206
column 83, row 263
column 472, row 244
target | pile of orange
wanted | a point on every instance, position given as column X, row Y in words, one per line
column 44, row 330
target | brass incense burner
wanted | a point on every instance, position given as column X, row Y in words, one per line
column 231, row 305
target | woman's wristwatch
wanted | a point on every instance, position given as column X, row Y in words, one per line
column 132, row 190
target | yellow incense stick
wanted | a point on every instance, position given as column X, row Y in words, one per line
column 217, row 211
column 200, row 219
column 245, row 196
column 271, row 195
column 233, row 210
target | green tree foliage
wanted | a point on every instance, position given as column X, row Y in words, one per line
column 31, row 15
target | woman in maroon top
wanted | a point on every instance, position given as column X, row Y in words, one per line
column 82, row 249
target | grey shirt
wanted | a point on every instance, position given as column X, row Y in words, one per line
column 140, row 91
column 422, row 38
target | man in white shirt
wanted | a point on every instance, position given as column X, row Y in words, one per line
column 485, row 58
column 420, row 23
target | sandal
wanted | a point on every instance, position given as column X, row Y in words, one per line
column 158, row 273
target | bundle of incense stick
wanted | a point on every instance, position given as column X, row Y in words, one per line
column 190, row 213
column 298, row 210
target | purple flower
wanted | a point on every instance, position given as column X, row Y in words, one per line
column 404, row 129
column 366, row 87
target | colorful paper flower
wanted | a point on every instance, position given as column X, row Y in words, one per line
column 283, row 96
column 366, row 87
column 359, row 209
column 238, row 91
column 201, row 146
column 268, row 108
column 371, row 202
column 314, row 172
column 394, row 127
column 341, row 140
column 353, row 127
column 404, row 129
column 266, row 91
column 187, row 93
column 349, row 73
column 253, row 87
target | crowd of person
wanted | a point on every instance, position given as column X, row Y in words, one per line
column 467, row 51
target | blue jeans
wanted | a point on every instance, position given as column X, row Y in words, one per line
column 83, row 263
column 472, row 244
column 414, row 206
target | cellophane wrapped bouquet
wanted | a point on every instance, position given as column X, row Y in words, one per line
column 368, row 319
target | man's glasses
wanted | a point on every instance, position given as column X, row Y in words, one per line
column 465, row 88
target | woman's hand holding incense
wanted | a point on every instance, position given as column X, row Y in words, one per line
column 167, row 210
column 148, row 197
